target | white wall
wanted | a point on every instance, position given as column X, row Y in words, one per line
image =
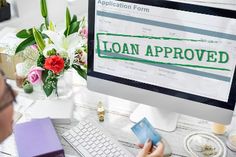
column 26, row 13
column 79, row 7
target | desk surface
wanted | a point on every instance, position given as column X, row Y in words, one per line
column 118, row 124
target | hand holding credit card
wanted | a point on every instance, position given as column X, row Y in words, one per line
column 144, row 131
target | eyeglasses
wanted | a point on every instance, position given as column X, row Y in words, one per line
column 9, row 96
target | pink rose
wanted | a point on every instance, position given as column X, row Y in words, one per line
column 84, row 32
column 35, row 75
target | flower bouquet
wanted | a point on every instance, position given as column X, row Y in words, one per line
column 49, row 52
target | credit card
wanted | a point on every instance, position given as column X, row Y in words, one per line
column 144, row 131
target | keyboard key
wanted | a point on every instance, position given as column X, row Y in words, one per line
column 110, row 155
column 81, row 141
column 69, row 137
column 107, row 139
column 94, row 139
column 117, row 154
column 87, row 147
column 87, row 133
column 83, row 136
column 93, row 153
column 90, row 150
column 100, row 152
column 76, row 130
column 99, row 137
column 96, row 149
column 72, row 140
column 90, row 142
column 84, row 144
column 93, row 146
column 100, row 146
column 107, row 151
column 86, row 140
column 103, row 148
column 75, row 143
column 113, row 150
column 109, row 147
column 66, row 134
column 93, row 132
column 72, row 133
column 102, row 141
column 86, row 126
column 90, row 136
column 106, row 144
column 96, row 142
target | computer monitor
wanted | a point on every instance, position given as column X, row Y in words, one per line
column 173, row 56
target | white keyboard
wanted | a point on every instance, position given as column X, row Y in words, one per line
column 91, row 140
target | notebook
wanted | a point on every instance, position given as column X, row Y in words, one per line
column 37, row 138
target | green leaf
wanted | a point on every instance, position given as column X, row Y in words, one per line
column 68, row 18
column 74, row 27
column 44, row 75
column 42, row 27
column 65, row 32
column 41, row 61
column 24, row 34
column 74, row 19
column 30, row 31
column 44, row 10
column 27, row 42
column 49, row 82
column 67, row 64
column 39, row 39
column 51, row 26
column 80, row 71
column 48, row 89
column 46, row 21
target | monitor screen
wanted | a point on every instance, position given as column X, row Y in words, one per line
column 178, row 49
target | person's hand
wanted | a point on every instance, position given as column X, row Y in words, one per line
column 149, row 151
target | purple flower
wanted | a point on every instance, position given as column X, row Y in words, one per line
column 35, row 75
column 34, row 47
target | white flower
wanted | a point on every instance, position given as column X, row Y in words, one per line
column 65, row 46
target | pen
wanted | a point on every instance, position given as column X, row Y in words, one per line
column 5, row 153
column 128, row 144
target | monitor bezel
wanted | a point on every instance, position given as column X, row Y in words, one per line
column 230, row 105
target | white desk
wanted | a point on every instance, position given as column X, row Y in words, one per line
column 118, row 124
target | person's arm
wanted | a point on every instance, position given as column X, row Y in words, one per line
column 7, row 97
column 6, row 120
column 148, row 151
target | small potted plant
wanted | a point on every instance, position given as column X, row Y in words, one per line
column 5, row 10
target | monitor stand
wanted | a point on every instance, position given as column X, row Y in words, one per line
column 160, row 119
